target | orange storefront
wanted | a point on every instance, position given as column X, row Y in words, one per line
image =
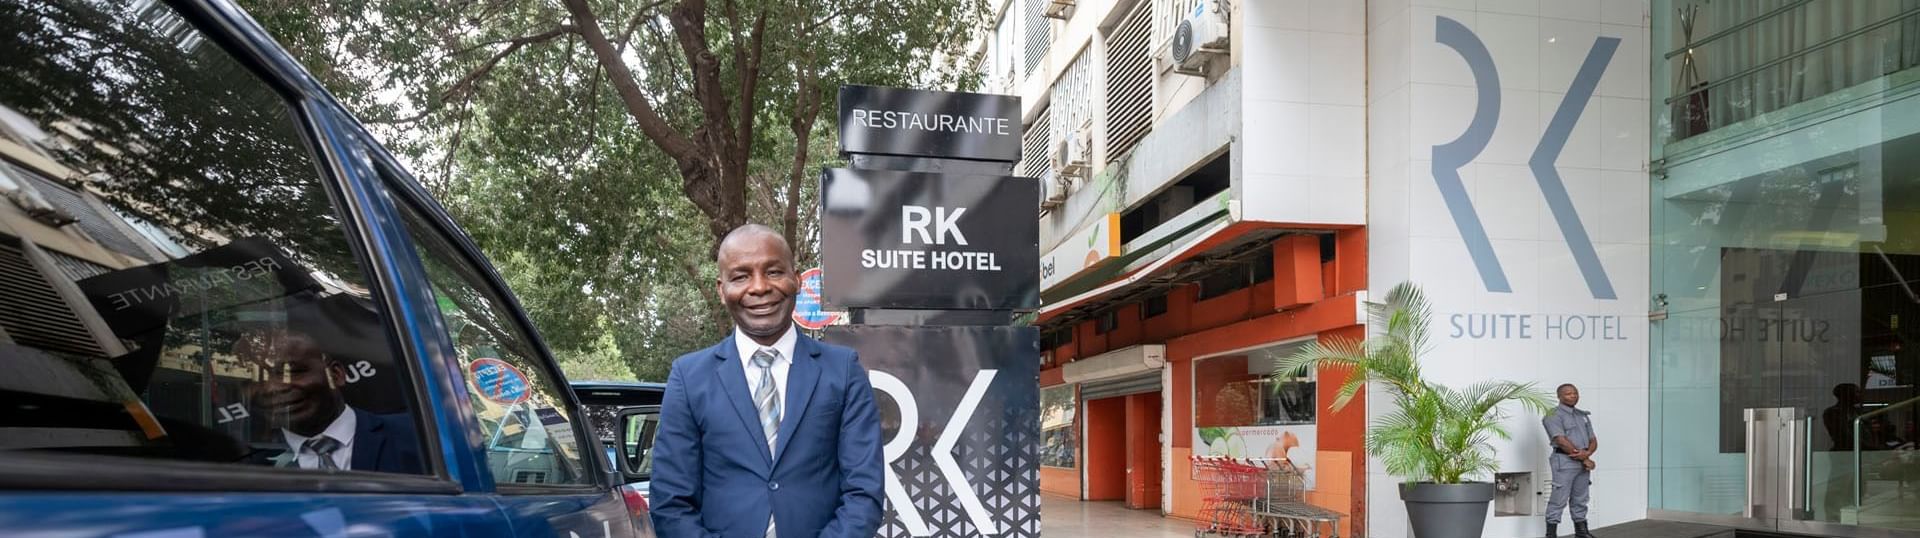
column 1215, row 393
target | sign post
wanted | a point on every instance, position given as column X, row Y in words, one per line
column 929, row 226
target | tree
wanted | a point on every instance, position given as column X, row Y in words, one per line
column 598, row 149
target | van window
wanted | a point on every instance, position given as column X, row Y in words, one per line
column 175, row 282
column 531, row 436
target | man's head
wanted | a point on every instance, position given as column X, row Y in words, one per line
column 299, row 388
column 1569, row 395
column 1847, row 393
column 757, row 281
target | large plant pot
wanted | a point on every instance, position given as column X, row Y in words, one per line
column 1447, row 510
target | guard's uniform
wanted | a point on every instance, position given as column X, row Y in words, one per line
column 1570, row 477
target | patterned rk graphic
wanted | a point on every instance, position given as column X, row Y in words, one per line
column 1448, row 158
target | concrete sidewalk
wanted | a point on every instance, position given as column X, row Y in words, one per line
column 1062, row 517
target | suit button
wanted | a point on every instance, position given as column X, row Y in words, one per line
column 773, row 486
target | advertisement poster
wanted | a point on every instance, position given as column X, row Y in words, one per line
column 1295, row 444
column 960, row 420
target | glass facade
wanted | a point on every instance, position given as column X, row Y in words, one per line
column 1786, row 259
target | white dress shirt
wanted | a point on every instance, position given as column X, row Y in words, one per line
column 781, row 364
column 340, row 430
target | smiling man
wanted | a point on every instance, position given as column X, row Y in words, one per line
column 299, row 394
column 768, row 433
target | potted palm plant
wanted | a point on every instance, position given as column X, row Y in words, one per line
column 1437, row 438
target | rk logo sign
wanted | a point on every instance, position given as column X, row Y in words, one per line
column 1448, row 158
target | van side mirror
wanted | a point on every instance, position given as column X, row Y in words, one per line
column 635, row 442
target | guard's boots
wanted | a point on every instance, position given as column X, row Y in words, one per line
column 1580, row 530
column 1553, row 530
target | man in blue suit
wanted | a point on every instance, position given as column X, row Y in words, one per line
column 768, row 433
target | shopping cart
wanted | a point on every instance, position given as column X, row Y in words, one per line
column 1282, row 508
column 1230, row 491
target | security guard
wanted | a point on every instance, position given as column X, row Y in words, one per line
column 1571, row 432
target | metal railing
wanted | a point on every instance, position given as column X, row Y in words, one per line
column 1859, row 470
column 1693, row 51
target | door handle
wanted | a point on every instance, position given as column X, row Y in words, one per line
column 1752, row 417
column 1797, row 461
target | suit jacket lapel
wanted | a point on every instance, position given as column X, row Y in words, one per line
column 733, row 380
column 369, row 438
column 802, row 375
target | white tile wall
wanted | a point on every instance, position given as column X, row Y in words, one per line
column 1440, row 114
column 1390, row 55
column 1338, row 196
column 1336, row 141
column 1518, row 132
column 1277, row 65
column 1339, row 16
column 1278, row 14
column 1579, row 10
column 1339, row 68
column 1564, row 45
column 1537, row 46
column 1434, row 63
column 1624, row 12
column 1623, row 133
column 1511, row 40
column 1627, row 74
column 1623, row 209
column 1512, row 189
column 1427, row 213
column 1380, row 11
column 1583, row 144
column 1275, row 136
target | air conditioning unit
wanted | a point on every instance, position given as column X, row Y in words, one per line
column 1201, row 35
column 1073, row 154
column 1057, row 190
column 1060, row 9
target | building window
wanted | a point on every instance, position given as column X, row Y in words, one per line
column 1039, row 33
column 1107, row 322
column 1167, row 15
column 1262, row 265
column 1224, row 281
column 1129, row 82
column 1035, row 161
column 1001, row 70
column 1059, row 439
column 1071, row 105
column 1243, row 410
column 1154, row 306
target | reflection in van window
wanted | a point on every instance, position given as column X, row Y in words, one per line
column 174, row 279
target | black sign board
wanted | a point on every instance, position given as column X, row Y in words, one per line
column 930, row 241
column 894, row 121
column 960, row 423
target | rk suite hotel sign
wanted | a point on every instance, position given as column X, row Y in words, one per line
column 929, row 240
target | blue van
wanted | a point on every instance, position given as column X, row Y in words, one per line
column 225, row 310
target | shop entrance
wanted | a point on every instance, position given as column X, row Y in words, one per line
column 1123, row 441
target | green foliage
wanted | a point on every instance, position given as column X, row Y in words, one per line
column 1435, row 433
column 598, row 182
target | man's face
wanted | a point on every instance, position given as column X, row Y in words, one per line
column 757, row 285
column 299, row 385
column 1570, row 396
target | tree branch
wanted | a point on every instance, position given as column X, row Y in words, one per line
column 749, row 59
column 674, row 144
column 626, row 36
column 512, row 45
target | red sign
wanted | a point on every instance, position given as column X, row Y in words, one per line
column 808, row 311
column 499, row 381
